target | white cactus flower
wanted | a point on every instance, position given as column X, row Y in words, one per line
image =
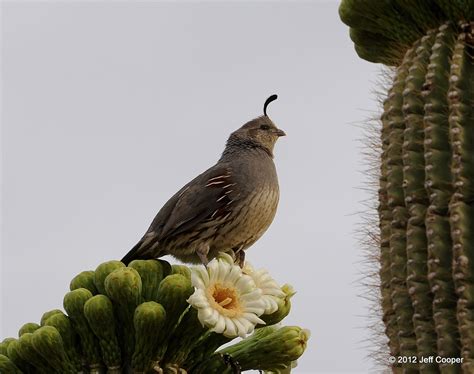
column 271, row 291
column 228, row 301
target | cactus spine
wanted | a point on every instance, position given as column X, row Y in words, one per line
column 426, row 185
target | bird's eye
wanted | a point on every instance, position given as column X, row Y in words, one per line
column 265, row 127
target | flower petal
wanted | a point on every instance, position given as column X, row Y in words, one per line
column 230, row 329
column 219, row 327
column 241, row 329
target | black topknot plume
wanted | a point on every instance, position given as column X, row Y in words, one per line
column 268, row 101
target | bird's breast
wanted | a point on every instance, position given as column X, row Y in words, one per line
column 252, row 217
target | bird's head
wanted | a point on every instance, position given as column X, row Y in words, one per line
column 260, row 132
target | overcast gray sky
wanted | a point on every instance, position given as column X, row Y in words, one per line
column 110, row 107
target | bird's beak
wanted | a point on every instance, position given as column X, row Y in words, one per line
column 279, row 132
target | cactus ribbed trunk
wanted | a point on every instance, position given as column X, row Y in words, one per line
column 426, row 184
column 461, row 207
column 439, row 186
column 426, row 203
column 392, row 173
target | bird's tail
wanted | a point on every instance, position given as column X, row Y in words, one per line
column 132, row 254
column 140, row 251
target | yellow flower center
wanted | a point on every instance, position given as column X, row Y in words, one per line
column 225, row 300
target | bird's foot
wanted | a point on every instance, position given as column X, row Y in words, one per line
column 234, row 365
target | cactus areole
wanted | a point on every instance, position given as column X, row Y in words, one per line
column 426, row 184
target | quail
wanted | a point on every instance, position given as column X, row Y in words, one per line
column 227, row 208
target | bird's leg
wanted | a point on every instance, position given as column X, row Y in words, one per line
column 239, row 256
column 202, row 251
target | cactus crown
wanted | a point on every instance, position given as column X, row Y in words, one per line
column 141, row 319
column 383, row 30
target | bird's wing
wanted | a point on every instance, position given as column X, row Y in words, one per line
column 207, row 197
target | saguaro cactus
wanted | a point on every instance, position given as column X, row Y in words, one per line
column 151, row 317
column 426, row 184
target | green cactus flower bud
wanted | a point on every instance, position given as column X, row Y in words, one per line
column 14, row 355
column 4, row 345
column 74, row 305
column 102, row 271
column 148, row 321
column 28, row 327
column 7, row 366
column 85, row 280
column 124, row 287
column 151, row 274
column 29, row 354
column 276, row 349
column 63, row 324
column 181, row 269
column 173, row 292
column 48, row 314
column 48, row 343
column 99, row 312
